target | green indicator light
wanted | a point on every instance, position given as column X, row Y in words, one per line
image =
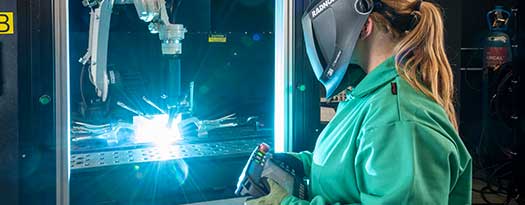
column 44, row 99
column 302, row 88
column 136, row 167
column 260, row 154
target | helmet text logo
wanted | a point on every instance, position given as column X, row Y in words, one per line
column 321, row 7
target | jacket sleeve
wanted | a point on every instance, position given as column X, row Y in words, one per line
column 306, row 158
column 406, row 163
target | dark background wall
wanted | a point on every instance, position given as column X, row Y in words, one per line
column 489, row 145
column 452, row 11
column 8, row 112
column 473, row 32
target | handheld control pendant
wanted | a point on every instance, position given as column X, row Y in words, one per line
column 284, row 169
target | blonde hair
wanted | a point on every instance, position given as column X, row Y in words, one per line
column 420, row 52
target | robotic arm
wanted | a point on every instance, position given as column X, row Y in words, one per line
column 100, row 17
column 152, row 11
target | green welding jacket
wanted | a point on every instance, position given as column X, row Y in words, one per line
column 387, row 144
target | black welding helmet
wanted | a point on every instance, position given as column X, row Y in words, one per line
column 331, row 30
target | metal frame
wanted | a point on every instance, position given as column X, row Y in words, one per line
column 284, row 54
column 62, row 119
column 36, row 141
column 297, row 122
column 306, row 103
column 9, row 108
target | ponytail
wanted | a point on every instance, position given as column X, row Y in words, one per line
column 420, row 54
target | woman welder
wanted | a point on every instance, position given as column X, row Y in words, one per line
column 395, row 140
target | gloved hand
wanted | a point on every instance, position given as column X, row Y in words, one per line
column 276, row 195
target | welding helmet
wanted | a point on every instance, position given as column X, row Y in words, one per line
column 331, row 30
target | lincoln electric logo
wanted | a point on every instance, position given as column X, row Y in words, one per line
column 321, row 7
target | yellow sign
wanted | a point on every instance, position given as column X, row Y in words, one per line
column 217, row 38
column 7, row 25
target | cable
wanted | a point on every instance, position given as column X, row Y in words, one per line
column 174, row 9
column 479, row 151
column 495, row 182
column 82, row 84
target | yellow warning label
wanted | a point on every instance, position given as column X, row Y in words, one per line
column 217, row 38
column 7, row 25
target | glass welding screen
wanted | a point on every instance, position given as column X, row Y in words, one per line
column 236, row 76
column 242, row 15
column 232, row 77
column 325, row 35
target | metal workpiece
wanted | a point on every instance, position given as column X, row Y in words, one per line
column 152, row 104
column 163, row 153
column 134, row 111
column 192, row 93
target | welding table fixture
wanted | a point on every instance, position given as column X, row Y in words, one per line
column 170, row 35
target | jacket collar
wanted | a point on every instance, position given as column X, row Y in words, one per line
column 381, row 75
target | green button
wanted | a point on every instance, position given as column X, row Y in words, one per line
column 302, row 88
column 44, row 99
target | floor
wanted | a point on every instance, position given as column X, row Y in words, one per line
column 492, row 198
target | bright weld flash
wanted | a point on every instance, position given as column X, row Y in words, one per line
column 155, row 130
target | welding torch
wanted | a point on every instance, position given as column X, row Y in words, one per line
column 173, row 87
